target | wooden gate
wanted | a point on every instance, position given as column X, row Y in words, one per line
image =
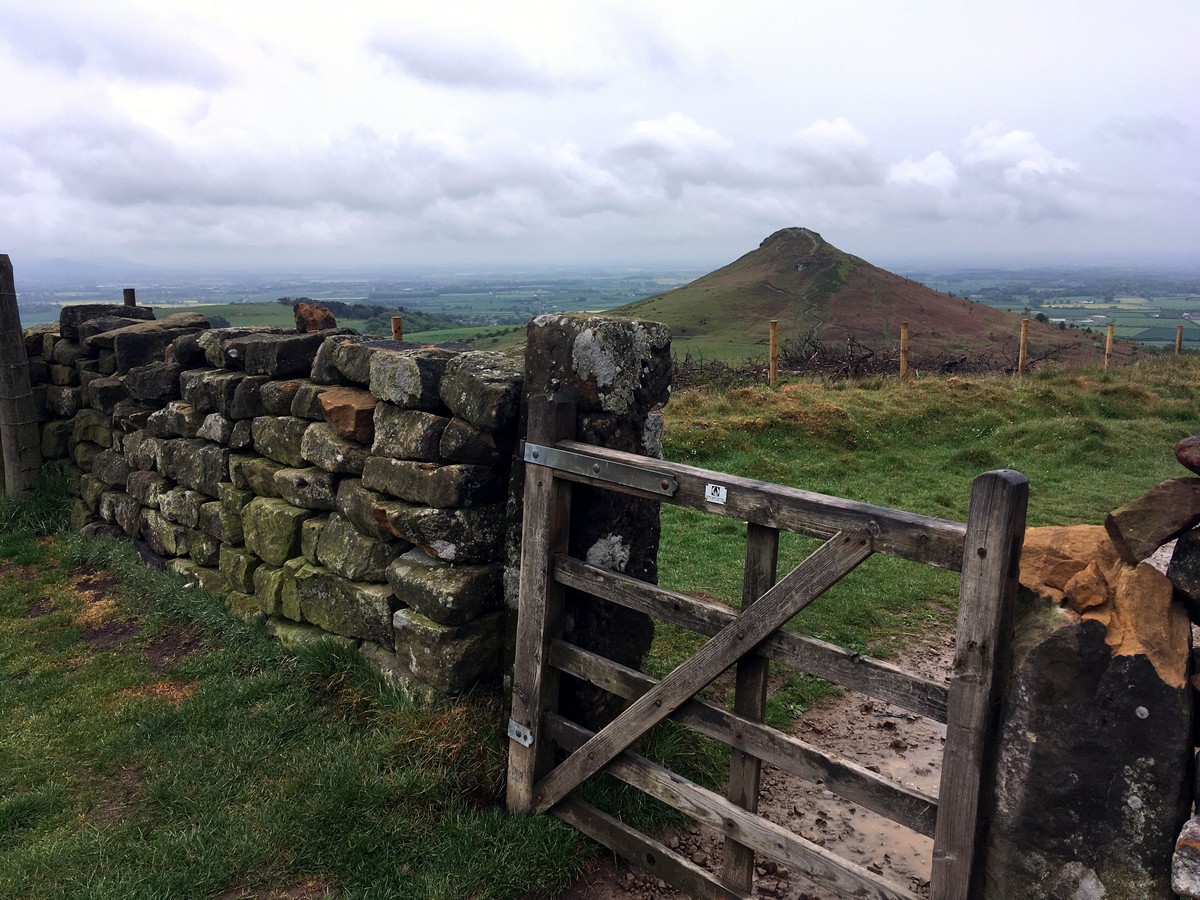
column 986, row 550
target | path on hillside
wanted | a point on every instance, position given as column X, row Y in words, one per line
column 880, row 737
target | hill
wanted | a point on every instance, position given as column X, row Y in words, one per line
column 812, row 287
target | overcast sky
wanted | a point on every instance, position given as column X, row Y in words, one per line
column 564, row 132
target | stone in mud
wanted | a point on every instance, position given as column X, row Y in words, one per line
column 484, row 388
column 449, row 659
column 272, row 529
column 448, row 595
column 407, row 433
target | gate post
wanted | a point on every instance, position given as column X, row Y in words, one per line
column 18, row 418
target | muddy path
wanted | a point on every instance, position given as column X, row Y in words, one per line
column 886, row 739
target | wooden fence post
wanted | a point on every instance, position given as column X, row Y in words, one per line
column 774, row 345
column 987, row 596
column 397, row 328
column 1108, row 346
column 130, row 296
column 22, row 448
column 1178, row 340
column 1023, row 354
column 904, row 351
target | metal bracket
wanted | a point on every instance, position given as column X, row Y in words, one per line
column 602, row 470
column 520, row 733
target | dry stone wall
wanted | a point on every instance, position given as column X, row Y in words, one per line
column 330, row 483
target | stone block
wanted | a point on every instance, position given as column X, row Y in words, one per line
column 71, row 317
column 448, row 595
column 215, row 428
column 84, row 453
column 238, row 565
column 200, row 465
column 163, row 537
column 307, row 402
column 35, row 338
column 145, row 343
column 277, row 355
column 156, row 382
column 241, row 435
column 131, row 415
column 452, row 485
column 449, row 658
column 94, row 426
column 148, row 487
column 187, row 352
column 323, row 447
column 215, row 344
column 272, row 529
column 106, row 362
column 175, row 420
column 104, row 393
column 63, row 400
column 350, row 412
column 204, row 549
column 1184, row 570
column 277, row 396
column 349, row 608
column 63, row 376
column 68, row 355
column 247, row 402
column 111, row 468
column 310, row 537
column 56, row 438
column 407, row 433
column 409, row 378
column 268, row 587
column 90, row 489
column 220, row 522
column 295, row 635
column 1187, row 452
column 311, row 487
column 279, row 438
column 125, row 510
column 211, row 390
column 463, row 442
column 232, row 497
column 353, row 555
column 484, row 388
column 258, row 475
column 141, row 450
column 1143, row 525
column 182, row 506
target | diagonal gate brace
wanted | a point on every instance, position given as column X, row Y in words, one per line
column 829, row 563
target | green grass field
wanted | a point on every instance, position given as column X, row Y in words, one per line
column 153, row 747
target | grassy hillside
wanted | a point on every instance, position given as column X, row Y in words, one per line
column 808, row 285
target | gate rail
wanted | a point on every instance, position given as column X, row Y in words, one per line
column 985, row 550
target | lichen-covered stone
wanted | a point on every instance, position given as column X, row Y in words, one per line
column 350, row 412
column 409, row 378
column 210, row 390
column 176, row 419
column 148, row 487
column 221, row 523
column 63, row 400
column 277, row 355
column 156, row 382
column 258, row 475
column 105, row 393
column 349, row 608
column 232, row 497
column 121, row 508
column 324, row 369
column 280, row 437
column 268, row 587
column 241, row 435
column 453, row 485
column 68, row 354
column 238, row 565
column 484, row 388
column 64, row 376
column 463, row 442
column 111, row 468
column 94, row 426
column 449, row 658
column 323, row 447
column 277, row 396
column 407, row 433
column 131, row 415
column 215, row 428
column 448, row 595
column 272, row 529
column 181, row 505
column 142, row 343
column 352, row 354
column 1184, row 571
column 198, row 464
column 247, row 402
column 164, row 538
column 214, row 343
column 307, row 402
column 353, row 555
column 469, row 536
column 295, row 635
column 56, row 438
column 204, row 549
column 310, row 535
column 84, row 453
column 311, row 487
column 141, row 450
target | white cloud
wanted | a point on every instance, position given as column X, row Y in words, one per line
column 933, row 171
column 833, row 152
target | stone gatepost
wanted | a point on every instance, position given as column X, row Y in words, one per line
column 617, row 372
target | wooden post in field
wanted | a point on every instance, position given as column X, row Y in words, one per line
column 1178, row 340
column 130, row 296
column 397, row 328
column 773, row 375
column 22, row 449
column 1023, row 355
column 1108, row 345
column 904, row 351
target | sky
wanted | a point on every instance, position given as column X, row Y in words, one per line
column 651, row 133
